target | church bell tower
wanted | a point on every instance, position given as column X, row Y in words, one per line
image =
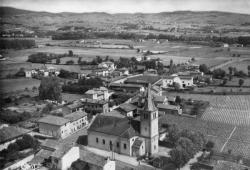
column 149, row 123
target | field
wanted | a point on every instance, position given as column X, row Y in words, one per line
column 10, row 85
column 241, row 65
column 226, row 137
column 230, row 109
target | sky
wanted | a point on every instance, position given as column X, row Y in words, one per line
column 130, row 6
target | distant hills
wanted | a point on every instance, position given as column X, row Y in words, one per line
column 185, row 21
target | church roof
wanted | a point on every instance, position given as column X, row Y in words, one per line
column 115, row 126
column 149, row 104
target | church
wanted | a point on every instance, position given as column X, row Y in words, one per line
column 132, row 137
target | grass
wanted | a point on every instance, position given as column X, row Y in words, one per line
column 10, row 85
column 241, row 65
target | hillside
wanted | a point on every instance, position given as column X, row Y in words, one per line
column 188, row 20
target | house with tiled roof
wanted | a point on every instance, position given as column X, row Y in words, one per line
column 62, row 127
column 126, row 136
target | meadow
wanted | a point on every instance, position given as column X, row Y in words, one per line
column 11, row 85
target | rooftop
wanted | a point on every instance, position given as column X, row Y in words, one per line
column 144, row 79
column 137, row 143
column 91, row 158
column 114, row 113
column 61, row 151
column 93, row 101
column 76, row 115
column 158, row 98
column 127, row 107
column 166, row 106
column 54, row 120
column 149, row 104
column 50, row 144
column 125, row 85
column 186, row 77
column 115, row 126
column 10, row 132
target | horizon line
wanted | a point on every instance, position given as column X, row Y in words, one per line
column 114, row 13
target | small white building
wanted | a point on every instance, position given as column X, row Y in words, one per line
column 187, row 81
column 108, row 65
column 101, row 93
column 64, row 156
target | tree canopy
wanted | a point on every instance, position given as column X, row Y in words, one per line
column 50, row 89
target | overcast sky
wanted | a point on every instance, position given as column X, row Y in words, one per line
column 129, row 6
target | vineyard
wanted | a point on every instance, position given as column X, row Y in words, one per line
column 225, row 136
column 230, row 109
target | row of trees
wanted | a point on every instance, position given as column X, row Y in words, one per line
column 16, row 43
column 127, row 35
column 48, row 57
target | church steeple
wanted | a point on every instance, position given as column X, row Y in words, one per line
column 149, row 123
column 149, row 104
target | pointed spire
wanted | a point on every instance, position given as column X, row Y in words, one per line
column 149, row 104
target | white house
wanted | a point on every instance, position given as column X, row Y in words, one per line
column 64, row 156
column 101, row 93
column 62, row 127
column 108, row 65
column 186, row 81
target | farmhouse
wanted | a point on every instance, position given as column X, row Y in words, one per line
column 101, row 93
column 124, row 136
column 102, row 72
column 62, row 127
column 107, row 65
column 187, row 81
column 95, row 106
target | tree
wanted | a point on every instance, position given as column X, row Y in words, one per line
column 203, row 68
column 58, row 60
column 219, row 73
column 177, row 86
column 241, row 82
column 187, row 146
column 71, row 53
column 20, row 73
column 50, row 89
column 224, row 82
column 248, row 68
column 209, row 145
column 230, row 69
column 178, row 157
column 107, row 58
column 178, row 100
column 70, row 62
column 173, row 134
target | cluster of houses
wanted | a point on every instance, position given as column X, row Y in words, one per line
column 42, row 72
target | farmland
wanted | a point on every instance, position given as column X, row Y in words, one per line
column 10, row 85
column 240, row 65
column 230, row 109
column 225, row 136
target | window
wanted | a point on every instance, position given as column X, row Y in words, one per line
column 154, row 147
column 110, row 143
column 117, row 144
column 97, row 140
column 103, row 142
column 124, row 146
